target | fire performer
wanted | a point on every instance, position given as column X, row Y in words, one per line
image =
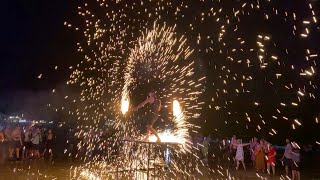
column 155, row 105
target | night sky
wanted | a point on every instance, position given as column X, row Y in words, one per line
column 33, row 38
column 34, row 41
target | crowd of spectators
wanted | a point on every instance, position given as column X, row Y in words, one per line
column 257, row 154
column 29, row 142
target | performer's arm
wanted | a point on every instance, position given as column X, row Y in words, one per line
column 142, row 104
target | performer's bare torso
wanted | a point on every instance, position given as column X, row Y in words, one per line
column 155, row 105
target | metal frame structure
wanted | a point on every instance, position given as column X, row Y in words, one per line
column 147, row 160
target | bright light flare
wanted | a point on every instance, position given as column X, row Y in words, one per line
column 180, row 134
column 124, row 105
column 176, row 108
column 89, row 175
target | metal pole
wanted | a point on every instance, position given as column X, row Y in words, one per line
column 148, row 149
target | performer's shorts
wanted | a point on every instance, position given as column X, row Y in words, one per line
column 233, row 152
column 28, row 145
column 295, row 166
column 17, row 144
column 287, row 162
column 49, row 144
column 35, row 147
column 154, row 118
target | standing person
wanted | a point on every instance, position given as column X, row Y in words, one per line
column 3, row 150
column 49, row 143
column 36, row 138
column 8, row 136
column 205, row 148
column 253, row 146
column 287, row 157
column 271, row 158
column 17, row 141
column 155, row 104
column 27, row 143
column 233, row 147
column 296, row 163
column 240, row 154
column 43, row 139
column 260, row 164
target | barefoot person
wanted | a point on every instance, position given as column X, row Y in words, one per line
column 27, row 143
column 155, row 105
column 271, row 159
column 240, row 154
column 233, row 147
column 295, row 163
column 36, row 138
column 253, row 146
column 16, row 136
column 287, row 159
column 49, row 144
column 260, row 163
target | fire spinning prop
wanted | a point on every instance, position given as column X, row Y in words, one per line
column 168, row 58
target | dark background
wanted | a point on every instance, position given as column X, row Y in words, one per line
column 34, row 41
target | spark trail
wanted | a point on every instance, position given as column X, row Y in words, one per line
column 259, row 59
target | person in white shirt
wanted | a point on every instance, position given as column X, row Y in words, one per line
column 295, row 163
column 27, row 143
column 287, row 157
column 36, row 138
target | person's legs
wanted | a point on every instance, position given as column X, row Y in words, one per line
column 37, row 152
column 298, row 174
column 11, row 149
column 50, row 152
column 244, row 166
column 32, row 151
column 151, row 129
column 18, row 153
column 237, row 166
column 234, row 152
column 44, row 151
column 25, row 152
column 293, row 174
column 268, row 168
column 148, row 134
column 273, row 169
column 287, row 170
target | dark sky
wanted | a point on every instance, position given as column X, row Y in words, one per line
column 33, row 41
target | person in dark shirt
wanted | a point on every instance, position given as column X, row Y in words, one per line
column 295, row 154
